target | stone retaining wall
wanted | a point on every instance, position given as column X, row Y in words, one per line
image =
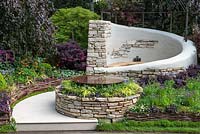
column 5, row 119
column 89, row 108
column 5, row 112
column 167, row 116
column 24, row 90
column 152, row 73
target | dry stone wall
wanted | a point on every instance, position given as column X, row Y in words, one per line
column 5, row 119
column 152, row 73
column 125, row 49
column 99, row 32
column 24, row 90
column 181, row 116
column 89, row 108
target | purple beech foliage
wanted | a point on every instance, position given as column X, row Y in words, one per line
column 71, row 56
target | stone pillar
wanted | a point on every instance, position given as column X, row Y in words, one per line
column 99, row 33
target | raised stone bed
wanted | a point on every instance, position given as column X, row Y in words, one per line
column 102, row 108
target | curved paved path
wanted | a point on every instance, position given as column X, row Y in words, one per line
column 38, row 113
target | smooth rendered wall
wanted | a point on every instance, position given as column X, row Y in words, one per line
column 166, row 47
column 170, row 52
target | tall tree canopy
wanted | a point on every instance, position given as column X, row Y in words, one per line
column 25, row 26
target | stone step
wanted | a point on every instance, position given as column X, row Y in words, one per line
column 69, row 126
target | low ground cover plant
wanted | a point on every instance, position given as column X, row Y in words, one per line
column 171, row 93
column 3, row 84
column 192, row 71
column 114, row 90
column 29, row 70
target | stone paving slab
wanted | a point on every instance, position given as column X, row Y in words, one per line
column 90, row 132
column 40, row 110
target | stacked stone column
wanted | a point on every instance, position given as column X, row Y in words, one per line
column 98, row 36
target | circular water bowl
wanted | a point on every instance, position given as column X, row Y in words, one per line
column 97, row 80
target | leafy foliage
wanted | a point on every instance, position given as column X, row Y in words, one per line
column 4, row 103
column 161, row 14
column 71, row 56
column 72, row 23
column 171, row 93
column 25, row 75
column 27, row 70
column 168, row 98
column 71, row 3
column 8, row 128
column 196, row 39
column 192, row 71
column 25, row 27
column 100, row 5
column 123, row 11
column 3, row 84
column 114, row 90
column 6, row 56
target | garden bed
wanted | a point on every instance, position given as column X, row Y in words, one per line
column 38, row 86
column 112, row 108
column 170, row 97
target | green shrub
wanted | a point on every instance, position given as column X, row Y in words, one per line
column 114, row 90
column 73, row 23
column 100, row 6
column 45, row 69
column 3, row 84
column 25, row 75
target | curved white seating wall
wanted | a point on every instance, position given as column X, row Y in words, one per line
column 170, row 51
